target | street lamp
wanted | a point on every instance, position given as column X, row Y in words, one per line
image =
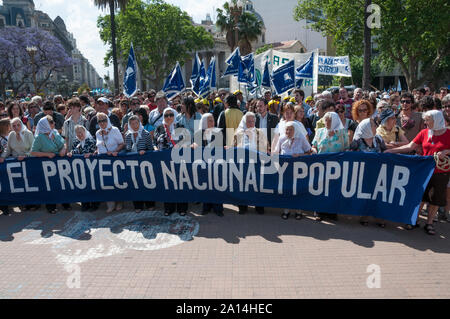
column 32, row 51
column 236, row 11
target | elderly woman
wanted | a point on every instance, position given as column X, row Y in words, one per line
column 252, row 138
column 84, row 144
column 5, row 127
column 366, row 140
column 165, row 138
column 288, row 115
column 293, row 143
column 333, row 137
column 138, row 140
column 48, row 143
column 205, row 134
column 110, row 142
column 393, row 136
column 434, row 140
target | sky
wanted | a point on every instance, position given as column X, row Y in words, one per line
column 80, row 17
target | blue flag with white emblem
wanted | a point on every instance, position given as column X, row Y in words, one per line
column 283, row 78
column 233, row 62
column 210, row 79
column 130, row 77
column 174, row 82
column 306, row 69
column 195, row 70
column 247, row 69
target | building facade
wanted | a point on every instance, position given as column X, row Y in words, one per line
column 22, row 13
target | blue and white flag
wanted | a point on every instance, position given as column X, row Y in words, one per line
column 247, row 69
column 334, row 65
column 399, row 86
column 195, row 69
column 210, row 79
column 283, row 78
column 233, row 61
column 200, row 80
column 175, row 81
column 130, row 77
column 266, row 75
column 306, row 69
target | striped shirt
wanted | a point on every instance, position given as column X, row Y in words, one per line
column 143, row 144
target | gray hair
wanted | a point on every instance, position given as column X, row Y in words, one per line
column 382, row 104
column 446, row 99
column 327, row 95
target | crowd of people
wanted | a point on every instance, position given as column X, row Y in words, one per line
column 332, row 121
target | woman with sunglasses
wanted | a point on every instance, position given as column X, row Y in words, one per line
column 361, row 110
column 411, row 122
column 346, row 122
column 110, row 142
column 165, row 138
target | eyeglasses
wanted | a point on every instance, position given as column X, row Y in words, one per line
column 363, row 110
column 169, row 115
column 102, row 121
column 4, row 115
column 405, row 101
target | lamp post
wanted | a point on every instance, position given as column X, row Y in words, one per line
column 32, row 51
column 236, row 10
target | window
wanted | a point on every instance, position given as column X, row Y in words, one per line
column 19, row 21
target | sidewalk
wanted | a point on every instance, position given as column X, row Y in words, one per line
column 147, row 255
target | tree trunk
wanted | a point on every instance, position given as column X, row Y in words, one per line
column 367, row 48
column 114, row 49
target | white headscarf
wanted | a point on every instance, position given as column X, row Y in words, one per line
column 243, row 123
column 336, row 123
column 172, row 126
column 23, row 128
column 43, row 127
column 132, row 132
column 87, row 135
column 364, row 130
column 296, row 126
column 438, row 121
column 204, row 120
column 281, row 127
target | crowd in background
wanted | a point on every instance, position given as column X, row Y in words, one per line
column 332, row 121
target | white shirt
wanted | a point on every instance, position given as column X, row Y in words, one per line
column 287, row 146
column 110, row 142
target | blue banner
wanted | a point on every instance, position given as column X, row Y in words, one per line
column 175, row 82
column 387, row 186
column 233, row 62
column 130, row 77
column 210, row 79
column 247, row 69
column 283, row 78
column 200, row 79
column 306, row 70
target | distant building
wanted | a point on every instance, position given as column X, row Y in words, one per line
column 22, row 13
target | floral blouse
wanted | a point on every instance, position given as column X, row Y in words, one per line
column 324, row 143
column 89, row 146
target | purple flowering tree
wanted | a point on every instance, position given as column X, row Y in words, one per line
column 16, row 65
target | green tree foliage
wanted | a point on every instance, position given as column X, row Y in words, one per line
column 248, row 25
column 161, row 34
column 413, row 34
column 84, row 88
column 263, row 49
